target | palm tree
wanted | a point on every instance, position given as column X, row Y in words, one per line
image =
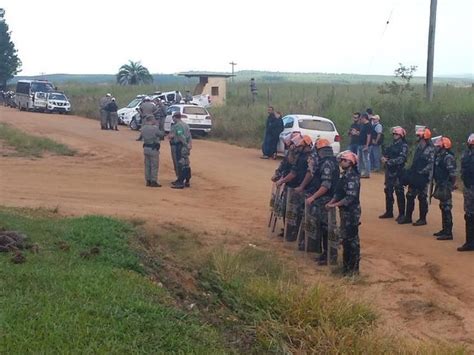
column 133, row 73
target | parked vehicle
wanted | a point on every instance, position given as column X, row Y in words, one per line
column 169, row 98
column 313, row 126
column 196, row 117
column 127, row 113
column 57, row 102
column 25, row 93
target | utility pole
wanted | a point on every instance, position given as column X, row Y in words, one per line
column 431, row 43
column 233, row 64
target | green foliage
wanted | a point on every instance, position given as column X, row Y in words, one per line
column 10, row 64
column 133, row 73
column 286, row 316
column 66, row 299
column 243, row 123
column 28, row 145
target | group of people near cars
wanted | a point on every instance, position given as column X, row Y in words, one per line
column 108, row 113
column 308, row 185
column 153, row 114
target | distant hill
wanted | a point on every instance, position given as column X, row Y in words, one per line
column 106, row 79
column 245, row 75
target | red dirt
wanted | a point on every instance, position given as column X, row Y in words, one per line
column 423, row 288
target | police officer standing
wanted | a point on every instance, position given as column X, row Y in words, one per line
column 346, row 197
column 104, row 115
column 324, row 184
column 467, row 175
column 395, row 157
column 295, row 200
column 181, row 144
column 420, row 174
column 445, row 179
column 151, row 136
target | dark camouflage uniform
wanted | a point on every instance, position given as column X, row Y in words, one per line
column 444, row 175
column 326, row 175
column 467, row 175
column 295, row 201
column 347, row 191
column 279, row 204
column 420, row 173
column 396, row 155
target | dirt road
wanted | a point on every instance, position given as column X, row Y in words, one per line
column 421, row 286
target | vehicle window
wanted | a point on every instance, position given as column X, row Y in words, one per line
column 23, row 88
column 134, row 103
column 316, row 125
column 195, row 110
column 40, row 95
column 170, row 97
column 288, row 122
column 57, row 97
column 172, row 110
column 44, row 87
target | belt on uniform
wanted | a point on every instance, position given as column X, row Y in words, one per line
column 151, row 145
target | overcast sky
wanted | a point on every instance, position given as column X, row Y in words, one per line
column 331, row 36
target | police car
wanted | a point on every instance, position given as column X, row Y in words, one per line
column 196, row 117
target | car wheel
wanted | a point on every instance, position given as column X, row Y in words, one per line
column 133, row 124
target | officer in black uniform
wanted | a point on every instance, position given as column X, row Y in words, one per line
column 445, row 179
column 467, row 175
column 419, row 177
column 394, row 158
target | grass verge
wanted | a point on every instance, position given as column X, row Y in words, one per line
column 28, row 145
column 95, row 284
column 85, row 291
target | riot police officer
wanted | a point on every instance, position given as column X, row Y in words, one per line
column 346, row 197
column 467, row 175
column 419, row 177
column 394, row 158
column 445, row 178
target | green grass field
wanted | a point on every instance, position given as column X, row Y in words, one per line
column 99, row 285
column 239, row 122
column 27, row 145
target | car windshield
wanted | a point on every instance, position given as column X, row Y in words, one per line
column 134, row 103
column 44, row 87
column 57, row 97
column 316, row 125
column 194, row 110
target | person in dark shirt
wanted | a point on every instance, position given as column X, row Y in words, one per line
column 111, row 109
column 364, row 142
column 354, row 132
column 273, row 128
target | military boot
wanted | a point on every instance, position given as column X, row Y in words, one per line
column 388, row 207
column 469, row 245
column 409, row 212
column 401, row 206
column 423, row 213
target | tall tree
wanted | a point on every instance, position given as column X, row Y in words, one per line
column 10, row 64
column 133, row 73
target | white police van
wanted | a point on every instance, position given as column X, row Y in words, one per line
column 26, row 94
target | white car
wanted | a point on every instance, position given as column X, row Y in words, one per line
column 313, row 126
column 126, row 114
column 57, row 102
column 196, row 117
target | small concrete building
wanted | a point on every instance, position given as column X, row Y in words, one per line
column 213, row 84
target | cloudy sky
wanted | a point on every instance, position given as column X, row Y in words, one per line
column 332, row 36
